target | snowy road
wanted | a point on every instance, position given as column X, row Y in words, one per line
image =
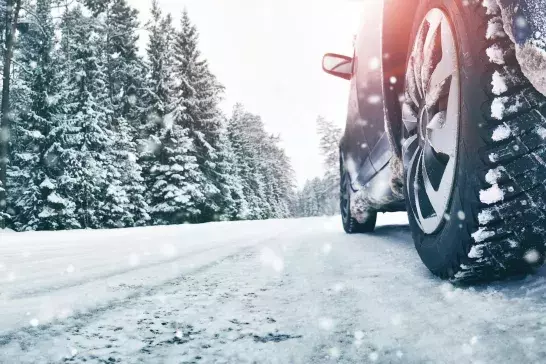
column 292, row 291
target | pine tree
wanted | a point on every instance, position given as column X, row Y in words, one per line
column 263, row 168
column 197, row 95
column 34, row 198
column 167, row 152
column 314, row 199
column 158, row 94
column 330, row 136
column 230, row 201
column 84, row 138
column 243, row 131
column 125, row 78
column 173, row 195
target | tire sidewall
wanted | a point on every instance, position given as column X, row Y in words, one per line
column 444, row 250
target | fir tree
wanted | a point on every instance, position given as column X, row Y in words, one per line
column 196, row 107
column 85, row 140
column 158, row 94
column 34, row 198
column 125, row 79
column 167, row 154
column 263, row 168
column 330, row 135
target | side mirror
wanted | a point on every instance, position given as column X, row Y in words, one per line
column 338, row 65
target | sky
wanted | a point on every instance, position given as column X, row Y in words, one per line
column 267, row 53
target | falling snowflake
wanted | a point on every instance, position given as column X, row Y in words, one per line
column 374, row 63
column 70, row 269
column 326, row 323
column 34, row 322
column 461, row 215
column 168, row 121
column 168, row 250
column 4, row 134
column 334, row 352
column 270, row 259
column 134, row 260
column 396, row 320
column 532, row 256
column 327, row 248
column 374, row 99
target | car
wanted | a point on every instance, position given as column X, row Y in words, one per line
column 443, row 124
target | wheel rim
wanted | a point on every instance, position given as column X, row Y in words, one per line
column 344, row 202
column 430, row 113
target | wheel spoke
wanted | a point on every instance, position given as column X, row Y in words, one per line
column 409, row 117
column 443, row 131
column 432, row 51
column 438, row 196
column 418, row 58
column 437, row 91
column 425, row 204
column 409, row 149
column 412, row 91
column 440, row 78
column 434, row 165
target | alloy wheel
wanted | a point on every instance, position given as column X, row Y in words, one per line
column 430, row 113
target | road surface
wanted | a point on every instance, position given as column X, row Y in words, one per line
column 282, row 291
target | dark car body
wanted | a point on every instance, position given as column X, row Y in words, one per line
column 370, row 149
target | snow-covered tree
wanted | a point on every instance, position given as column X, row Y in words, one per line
column 37, row 100
column 83, row 100
column 330, row 135
column 125, row 80
column 315, row 199
column 167, row 151
column 263, row 168
column 197, row 94
column 320, row 196
column 85, row 139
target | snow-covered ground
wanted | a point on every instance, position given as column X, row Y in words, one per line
column 282, row 291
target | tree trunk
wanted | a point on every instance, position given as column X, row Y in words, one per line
column 12, row 14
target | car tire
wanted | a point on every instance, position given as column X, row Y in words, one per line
column 494, row 221
column 350, row 224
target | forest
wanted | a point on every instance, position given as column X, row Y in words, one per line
column 97, row 133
